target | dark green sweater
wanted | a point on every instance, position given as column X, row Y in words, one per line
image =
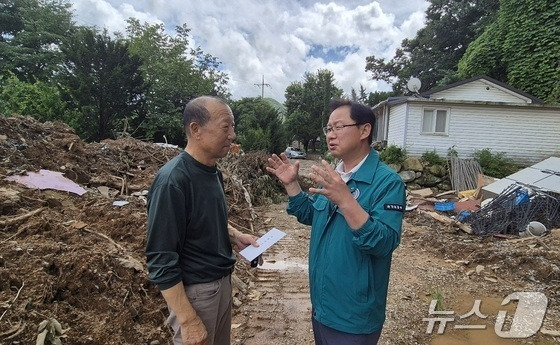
column 187, row 235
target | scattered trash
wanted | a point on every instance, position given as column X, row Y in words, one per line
column 120, row 203
column 522, row 196
column 169, row 146
column 467, row 205
column 424, row 193
column 142, row 193
column 46, row 179
column 50, row 332
column 104, row 191
column 535, row 229
column 486, row 202
column 462, row 216
column 444, row 206
column 411, row 207
column 467, row 193
column 512, row 210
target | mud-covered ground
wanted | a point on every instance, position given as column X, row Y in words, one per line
column 432, row 262
column 75, row 264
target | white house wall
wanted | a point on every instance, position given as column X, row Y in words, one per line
column 397, row 125
column 527, row 134
column 480, row 90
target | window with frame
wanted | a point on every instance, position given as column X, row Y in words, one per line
column 435, row 121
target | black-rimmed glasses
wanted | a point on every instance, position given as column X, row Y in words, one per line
column 337, row 128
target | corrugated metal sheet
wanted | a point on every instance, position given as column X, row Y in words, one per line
column 544, row 175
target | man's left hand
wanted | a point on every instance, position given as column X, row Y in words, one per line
column 244, row 240
column 334, row 187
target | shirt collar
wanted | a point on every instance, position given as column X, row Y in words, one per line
column 346, row 175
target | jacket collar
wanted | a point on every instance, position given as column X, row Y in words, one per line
column 366, row 173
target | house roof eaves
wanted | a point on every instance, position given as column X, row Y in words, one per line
column 487, row 78
column 483, row 103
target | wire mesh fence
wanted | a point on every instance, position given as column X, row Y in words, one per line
column 513, row 209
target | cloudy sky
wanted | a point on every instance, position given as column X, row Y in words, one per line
column 280, row 40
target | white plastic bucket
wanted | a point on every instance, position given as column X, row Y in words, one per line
column 534, row 229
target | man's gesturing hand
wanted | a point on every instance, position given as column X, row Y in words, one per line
column 286, row 172
column 334, row 188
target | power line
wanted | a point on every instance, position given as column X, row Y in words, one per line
column 262, row 85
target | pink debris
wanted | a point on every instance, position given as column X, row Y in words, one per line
column 46, row 179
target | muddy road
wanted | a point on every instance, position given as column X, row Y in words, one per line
column 432, row 263
column 278, row 310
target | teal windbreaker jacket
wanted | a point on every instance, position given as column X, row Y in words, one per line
column 349, row 270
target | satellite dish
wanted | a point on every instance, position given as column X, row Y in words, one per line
column 414, row 84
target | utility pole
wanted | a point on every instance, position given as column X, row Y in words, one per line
column 262, row 85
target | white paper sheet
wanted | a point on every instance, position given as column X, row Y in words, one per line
column 265, row 242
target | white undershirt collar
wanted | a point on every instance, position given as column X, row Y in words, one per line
column 346, row 175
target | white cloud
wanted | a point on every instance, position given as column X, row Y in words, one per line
column 412, row 24
column 254, row 38
column 103, row 14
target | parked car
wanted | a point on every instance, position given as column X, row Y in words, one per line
column 293, row 152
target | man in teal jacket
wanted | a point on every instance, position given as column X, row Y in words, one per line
column 356, row 216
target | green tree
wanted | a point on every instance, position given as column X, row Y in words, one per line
column 300, row 126
column 39, row 100
column 309, row 101
column 175, row 74
column 103, row 81
column 258, row 125
column 520, row 48
column 372, row 98
column 434, row 53
column 31, row 32
column 378, row 96
column 354, row 95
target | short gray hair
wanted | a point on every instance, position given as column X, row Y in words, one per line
column 197, row 111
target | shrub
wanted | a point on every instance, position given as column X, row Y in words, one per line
column 432, row 158
column 495, row 164
column 452, row 152
column 393, row 154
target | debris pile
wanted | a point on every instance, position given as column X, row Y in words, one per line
column 514, row 209
column 518, row 210
column 78, row 260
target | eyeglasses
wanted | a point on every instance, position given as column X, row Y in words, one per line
column 337, row 128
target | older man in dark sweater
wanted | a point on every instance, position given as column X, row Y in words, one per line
column 189, row 242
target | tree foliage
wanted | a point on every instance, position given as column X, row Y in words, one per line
column 258, row 125
column 522, row 48
column 307, row 105
column 175, row 74
column 434, row 53
column 37, row 99
column 103, row 81
column 31, row 32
